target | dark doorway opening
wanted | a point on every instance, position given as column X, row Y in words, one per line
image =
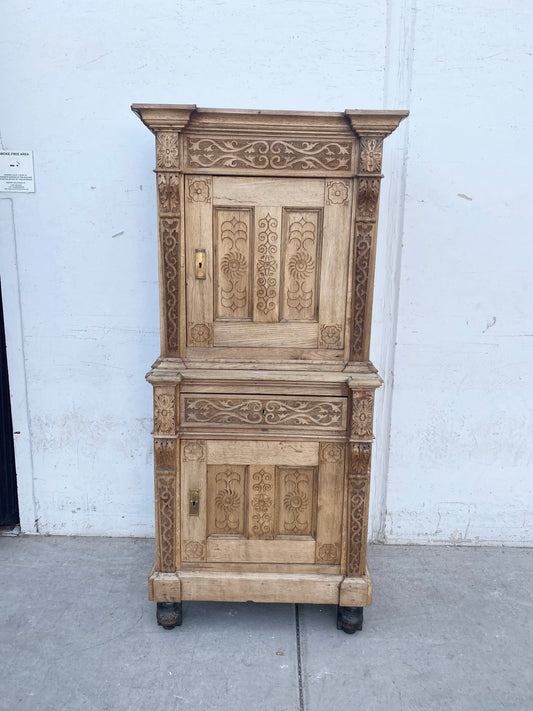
column 9, row 507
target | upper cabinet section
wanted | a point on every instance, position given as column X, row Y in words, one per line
column 267, row 225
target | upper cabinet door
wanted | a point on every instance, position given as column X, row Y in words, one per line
column 267, row 265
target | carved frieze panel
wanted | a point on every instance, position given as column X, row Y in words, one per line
column 225, row 497
column 275, row 154
column 301, row 267
column 165, row 502
column 169, row 235
column 265, row 411
column 164, row 410
column 296, row 501
column 167, row 150
column 232, row 267
column 362, row 414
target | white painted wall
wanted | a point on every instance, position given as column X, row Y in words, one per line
column 82, row 327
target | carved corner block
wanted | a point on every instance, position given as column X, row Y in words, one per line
column 165, row 412
column 362, row 414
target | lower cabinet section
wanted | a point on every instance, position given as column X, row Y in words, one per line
column 262, row 501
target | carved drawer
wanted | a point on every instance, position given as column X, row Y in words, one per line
column 324, row 414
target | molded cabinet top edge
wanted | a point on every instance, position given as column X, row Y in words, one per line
column 177, row 117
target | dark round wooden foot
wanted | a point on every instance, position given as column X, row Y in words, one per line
column 169, row 614
column 349, row 619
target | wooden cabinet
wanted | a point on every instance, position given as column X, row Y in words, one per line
column 263, row 393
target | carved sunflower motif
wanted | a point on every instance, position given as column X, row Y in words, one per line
column 199, row 191
column 301, row 265
column 337, row 193
column 295, row 501
column 227, row 500
column 233, row 265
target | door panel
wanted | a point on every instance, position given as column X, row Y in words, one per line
column 274, row 252
column 264, row 502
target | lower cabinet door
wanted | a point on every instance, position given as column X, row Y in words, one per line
column 261, row 501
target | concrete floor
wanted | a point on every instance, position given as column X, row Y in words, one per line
column 450, row 629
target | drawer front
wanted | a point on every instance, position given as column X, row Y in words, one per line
column 234, row 411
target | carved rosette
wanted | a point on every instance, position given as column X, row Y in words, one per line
column 194, row 551
column 328, row 553
column 194, row 451
column 164, row 410
column 330, row 336
column 330, row 452
column 362, row 414
column 167, row 150
column 199, row 190
column 337, row 192
column 199, row 335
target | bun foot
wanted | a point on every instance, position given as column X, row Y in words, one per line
column 169, row 614
column 349, row 619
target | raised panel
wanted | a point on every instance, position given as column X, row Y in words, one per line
column 226, row 499
column 261, row 497
column 267, row 262
column 301, row 264
column 233, row 270
column 193, row 478
column 296, row 501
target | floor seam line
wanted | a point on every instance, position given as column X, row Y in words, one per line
column 299, row 656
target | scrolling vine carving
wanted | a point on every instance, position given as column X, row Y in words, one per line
column 276, row 154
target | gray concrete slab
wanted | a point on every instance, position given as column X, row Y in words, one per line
column 450, row 628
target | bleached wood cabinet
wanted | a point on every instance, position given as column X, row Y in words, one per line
column 264, row 392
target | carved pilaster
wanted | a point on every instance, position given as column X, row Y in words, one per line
column 358, row 499
column 166, row 502
column 368, row 186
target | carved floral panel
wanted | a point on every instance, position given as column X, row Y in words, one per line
column 296, row 504
column 267, row 269
column 169, row 235
column 232, row 264
column 300, row 273
column 362, row 414
column 261, row 503
column 167, row 150
column 371, row 154
column 225, row 496
column 363, row 248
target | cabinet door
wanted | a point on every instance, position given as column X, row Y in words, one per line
column 274, row 257
column 261, row 502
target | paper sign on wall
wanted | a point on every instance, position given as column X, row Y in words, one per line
column 16, row 172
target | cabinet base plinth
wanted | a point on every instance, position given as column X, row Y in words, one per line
column 261, row 587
